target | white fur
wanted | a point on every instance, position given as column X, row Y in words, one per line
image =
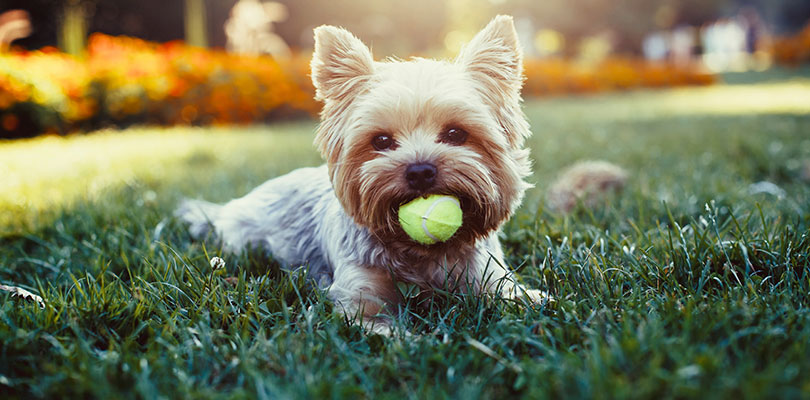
column 304, row 225
column 305, row 218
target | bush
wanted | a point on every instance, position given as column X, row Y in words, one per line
column 41, row 92
column 178, row 84
column 124, row 81
column 793, row 50
column 560, row 76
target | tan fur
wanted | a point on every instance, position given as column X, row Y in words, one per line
column 413, row 101
column 587, row 182
column 341, row 220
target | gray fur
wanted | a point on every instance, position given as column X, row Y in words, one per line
column 300, row 217
column 300, row 221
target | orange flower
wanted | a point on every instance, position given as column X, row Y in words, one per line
column 792, row 50
column 130, row 79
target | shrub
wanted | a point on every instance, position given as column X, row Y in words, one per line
column 42, row 91
column 178, row 84
column 560, row 76
column 124, row 81
column 793, row 50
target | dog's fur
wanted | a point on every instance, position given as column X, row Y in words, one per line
column 340, row 219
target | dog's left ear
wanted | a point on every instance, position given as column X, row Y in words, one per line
column 494, row 58
column 494, row 55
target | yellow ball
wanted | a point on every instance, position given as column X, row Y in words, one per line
column 431, row 219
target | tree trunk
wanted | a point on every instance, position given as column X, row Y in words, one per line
column 196, row 33
column 73, row 29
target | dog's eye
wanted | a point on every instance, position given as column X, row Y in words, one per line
column 453, row 136
column 383, row 142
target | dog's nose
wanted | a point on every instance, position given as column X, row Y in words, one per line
column 421, row 176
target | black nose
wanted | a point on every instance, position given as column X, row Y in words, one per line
column 421, row 176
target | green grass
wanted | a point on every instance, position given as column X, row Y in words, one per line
column 684, row 285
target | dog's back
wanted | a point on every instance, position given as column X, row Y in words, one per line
column 283, row 215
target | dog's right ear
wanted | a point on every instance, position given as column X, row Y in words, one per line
column 341, row 63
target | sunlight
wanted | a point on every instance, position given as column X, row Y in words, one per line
column 49, row 173
column 785, row 97
column 768, row 98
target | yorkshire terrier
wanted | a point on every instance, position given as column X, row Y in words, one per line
column 392, row 131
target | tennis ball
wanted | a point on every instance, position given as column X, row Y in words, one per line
column 430, row 219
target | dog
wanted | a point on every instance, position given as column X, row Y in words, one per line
column 390, row 132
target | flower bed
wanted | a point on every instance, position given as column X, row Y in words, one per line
column 560, row 76
column 41, row 90
column 125, row 81
column 793, row 50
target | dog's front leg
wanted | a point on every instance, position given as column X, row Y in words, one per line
column 367, row 294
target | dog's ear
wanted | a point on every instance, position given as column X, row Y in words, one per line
column 494, row 55
column 340, row 64
column 494, row 59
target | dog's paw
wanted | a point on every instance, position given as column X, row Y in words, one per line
column 531, row 296
column 379, row 325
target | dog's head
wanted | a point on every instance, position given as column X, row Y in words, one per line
column 391, row 131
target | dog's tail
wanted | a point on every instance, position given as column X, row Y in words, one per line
column 199, row 214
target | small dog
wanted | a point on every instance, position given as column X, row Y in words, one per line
column 390, row 132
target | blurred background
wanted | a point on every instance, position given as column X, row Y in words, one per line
column 80, row 65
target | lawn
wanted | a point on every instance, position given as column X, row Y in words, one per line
column 686, row 284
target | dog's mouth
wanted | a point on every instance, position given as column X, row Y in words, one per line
column 472, row 219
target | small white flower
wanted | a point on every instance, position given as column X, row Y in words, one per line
column 217, row 263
